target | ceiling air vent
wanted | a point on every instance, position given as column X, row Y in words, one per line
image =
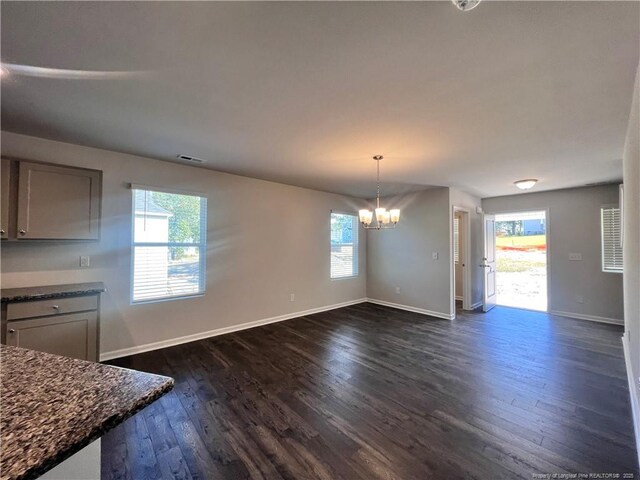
column 189, row 158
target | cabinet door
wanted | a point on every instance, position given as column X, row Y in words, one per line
column 56, row 202
column 4, row 192
column 74, row 335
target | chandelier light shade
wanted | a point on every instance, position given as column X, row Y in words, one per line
column 384, row 218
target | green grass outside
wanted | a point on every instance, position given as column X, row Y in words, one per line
column 523, row 241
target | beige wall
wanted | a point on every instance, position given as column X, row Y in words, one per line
column 402, row 258
column 461, row 199
column 265, row 241
column 573, row 227
column 632, row 239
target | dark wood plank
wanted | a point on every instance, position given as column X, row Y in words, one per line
column 368, row 392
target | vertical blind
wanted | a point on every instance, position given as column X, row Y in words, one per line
column 344, row 245
column 169, row 245
column 456, row 239
column 611, row 244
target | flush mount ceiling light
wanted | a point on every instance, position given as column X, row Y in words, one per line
column 526, row 184
column 466, row 5
column 384, row 218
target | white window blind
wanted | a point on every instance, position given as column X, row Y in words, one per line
column 611, row 245
column 456, row 239
column 169, row 245
column 344, row 245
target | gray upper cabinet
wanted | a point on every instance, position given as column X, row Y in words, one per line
column 4, row 191
column 57, row 202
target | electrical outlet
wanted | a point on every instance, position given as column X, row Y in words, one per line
column 434, row 256
column 85, row 261
column 292, row 297
column 397, row 289
column 579, row 299
column 575, row 256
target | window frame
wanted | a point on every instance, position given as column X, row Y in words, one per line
column 604, row 268
column 201, row 245
column 355, row 258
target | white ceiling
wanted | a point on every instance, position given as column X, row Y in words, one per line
column 305, row 93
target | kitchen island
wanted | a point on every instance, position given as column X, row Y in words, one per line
column 53, row 406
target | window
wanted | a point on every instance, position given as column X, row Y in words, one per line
column 456, row 239
column 169, row 240
column 611, row 245
column 344, row 245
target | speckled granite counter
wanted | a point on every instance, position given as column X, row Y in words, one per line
column 53, row 406
column 50, row 291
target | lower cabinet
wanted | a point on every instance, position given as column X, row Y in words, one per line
column 63, row 326
column 72, row 335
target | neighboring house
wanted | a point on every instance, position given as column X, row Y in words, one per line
column 534, row 226
column 151, row 265
column 516, row 226
column 342, row 235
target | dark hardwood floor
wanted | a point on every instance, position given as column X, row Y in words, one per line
column 368, row 392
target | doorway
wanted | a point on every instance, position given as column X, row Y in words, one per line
column 521, row 260
column 460, row 258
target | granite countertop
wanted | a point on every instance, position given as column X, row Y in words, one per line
column 53, row 406
column 50, row 291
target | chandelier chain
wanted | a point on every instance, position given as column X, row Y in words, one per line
column 378, row 191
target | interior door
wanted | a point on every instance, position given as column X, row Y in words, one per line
column 489, row 262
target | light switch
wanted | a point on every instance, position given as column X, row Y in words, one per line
column 575, row 256
column 434, row 256
column 85, row 261
column 397, row 289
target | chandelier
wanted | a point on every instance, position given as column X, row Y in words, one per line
column 384, row 218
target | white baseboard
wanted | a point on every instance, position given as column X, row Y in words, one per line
column 633, row 391
column 476, row 305
column 408, row 308
column 459, row 298
column 124, row 352
column 591, row 318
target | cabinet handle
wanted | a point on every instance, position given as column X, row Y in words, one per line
column 56, row 307
column 12, row 330
column 2, row 232
column 22, row 232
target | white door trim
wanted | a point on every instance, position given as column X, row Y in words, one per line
column 466, row 272
column 548, row 234
column 489, row 301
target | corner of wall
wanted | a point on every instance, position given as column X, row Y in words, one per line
column 631, row 253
